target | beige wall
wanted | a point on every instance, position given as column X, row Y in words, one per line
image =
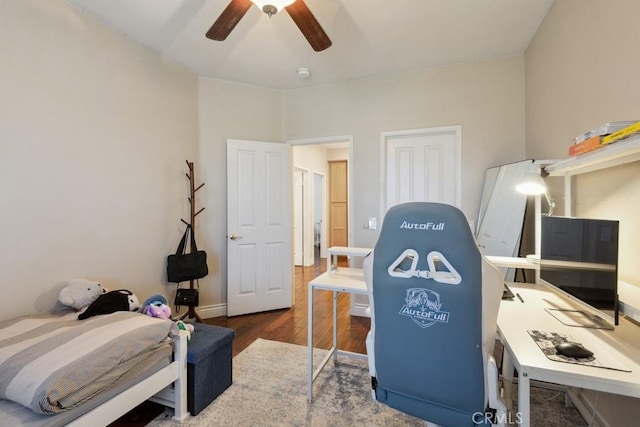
column 486, row 98
column 94, row 132
column 226, row 110
column 338, row 154
column 581, row 71
column 97, row 129
column 576, row 79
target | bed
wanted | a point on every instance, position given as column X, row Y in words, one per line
column 56, row 370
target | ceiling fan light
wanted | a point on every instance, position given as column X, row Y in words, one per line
column 271, row 7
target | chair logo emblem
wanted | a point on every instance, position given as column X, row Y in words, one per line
column 423, row 226
column 423, row 306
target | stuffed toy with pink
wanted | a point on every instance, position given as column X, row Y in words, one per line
column 179, row 325
column 158, row 310
column 156, row 306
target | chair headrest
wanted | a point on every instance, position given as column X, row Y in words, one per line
column 426, row 240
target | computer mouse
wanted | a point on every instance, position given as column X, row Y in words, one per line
column 573, row 349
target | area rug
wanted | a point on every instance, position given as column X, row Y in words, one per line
column 269, row 389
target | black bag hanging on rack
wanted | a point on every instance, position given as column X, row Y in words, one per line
column 187, row 297
column 183, row 266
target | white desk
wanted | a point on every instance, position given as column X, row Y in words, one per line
column 334, row 251
column 516, row 317
column 512, row 262
column 340, row 279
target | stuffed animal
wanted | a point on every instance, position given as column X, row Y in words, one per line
column 158, row 310
column 120, row 300
column 153, row 299
column 179, row 325
column 80, row 293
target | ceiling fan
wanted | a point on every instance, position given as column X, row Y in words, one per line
column 297, row 9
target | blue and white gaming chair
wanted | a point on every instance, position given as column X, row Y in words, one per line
column 434, row 303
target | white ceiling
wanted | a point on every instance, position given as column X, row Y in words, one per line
column 370, row 37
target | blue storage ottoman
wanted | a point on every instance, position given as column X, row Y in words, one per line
column 208, row 365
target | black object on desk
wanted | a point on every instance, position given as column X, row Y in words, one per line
column 573, row 349
column 506, row 293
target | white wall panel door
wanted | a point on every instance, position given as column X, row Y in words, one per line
column 259, row 235
column 423, row 165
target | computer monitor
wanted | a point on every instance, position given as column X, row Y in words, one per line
column 579, row 256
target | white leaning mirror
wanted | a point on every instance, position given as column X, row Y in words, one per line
column 501, row 213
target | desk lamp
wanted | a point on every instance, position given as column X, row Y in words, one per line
column 532, row 183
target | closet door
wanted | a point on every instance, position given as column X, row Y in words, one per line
column 338, row 204
column 423, row 165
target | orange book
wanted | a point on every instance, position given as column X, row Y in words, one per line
column 585, row 146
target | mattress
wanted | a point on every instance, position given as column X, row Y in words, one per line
column 14, row 414
column 53, row 364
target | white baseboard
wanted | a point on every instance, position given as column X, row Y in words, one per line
column 360, row 309
column 219, row 310
column 208, row 311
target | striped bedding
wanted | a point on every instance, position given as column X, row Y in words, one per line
column 54, row 363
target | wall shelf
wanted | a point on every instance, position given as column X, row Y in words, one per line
column 618, row 153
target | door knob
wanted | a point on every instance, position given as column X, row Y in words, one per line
column 234, row 236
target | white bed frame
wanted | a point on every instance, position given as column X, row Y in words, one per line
column 168, row 387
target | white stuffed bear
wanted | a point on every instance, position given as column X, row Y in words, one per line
column 80, row 293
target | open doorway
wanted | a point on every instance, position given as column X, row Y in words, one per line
column 299, row 176
column 311, row 159
column 319, row 221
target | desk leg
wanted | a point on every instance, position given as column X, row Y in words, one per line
column 310, row 345
column 507, row 378
column 335, row 326
column 524, row 399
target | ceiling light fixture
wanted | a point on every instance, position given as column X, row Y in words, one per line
column 271, row 7
column 304, row 73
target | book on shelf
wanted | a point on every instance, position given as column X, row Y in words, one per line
column 622, row 133
column 585, row 146
column 605, row 129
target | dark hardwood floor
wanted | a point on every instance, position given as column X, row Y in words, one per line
column 286, row 325
column 290, row 325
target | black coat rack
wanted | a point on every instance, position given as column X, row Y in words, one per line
column 191, row 313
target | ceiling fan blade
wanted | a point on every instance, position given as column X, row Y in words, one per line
column 228, row 19
column 309, row 25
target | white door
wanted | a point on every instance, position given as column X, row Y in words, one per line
column 423, row 165
column 298, row 217
column 259, row 252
